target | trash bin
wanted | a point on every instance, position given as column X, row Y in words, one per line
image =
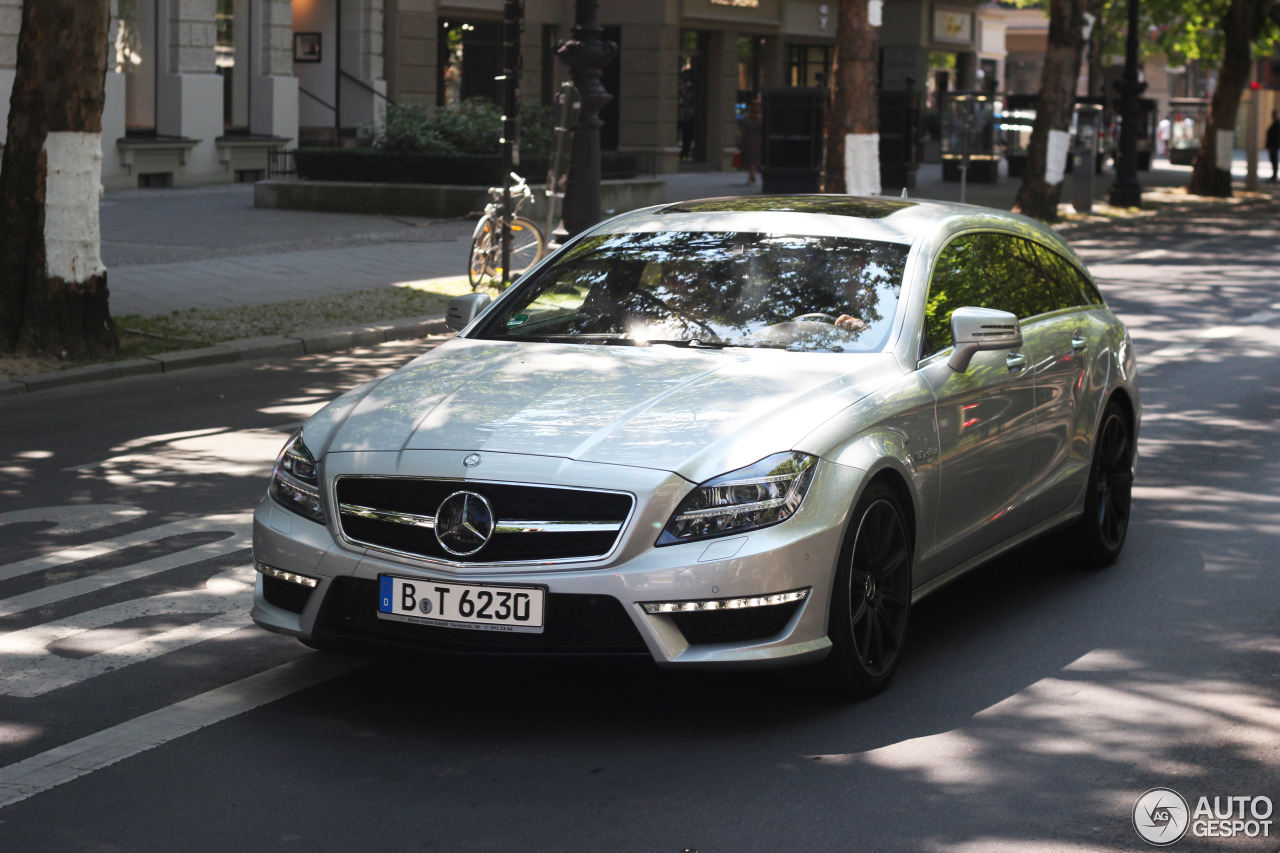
column 791, row 159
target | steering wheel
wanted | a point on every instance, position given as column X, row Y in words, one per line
column 816, row 315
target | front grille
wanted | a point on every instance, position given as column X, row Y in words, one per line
column 285, row 595
column 574, row 624
column 420, row 500
column 705, row 627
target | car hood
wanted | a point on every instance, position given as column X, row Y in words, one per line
column 695, row 412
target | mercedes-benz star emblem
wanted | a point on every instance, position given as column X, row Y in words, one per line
column 464, row 523
column 471, row 461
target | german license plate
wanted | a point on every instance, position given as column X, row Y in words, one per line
column 478, row 607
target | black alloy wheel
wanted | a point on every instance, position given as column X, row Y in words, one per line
column 1101, row 531
column 871, row 598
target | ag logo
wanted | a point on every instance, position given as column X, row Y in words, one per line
column 1161, row 816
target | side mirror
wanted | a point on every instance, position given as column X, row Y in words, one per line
column 978, row 330
column 463, row 309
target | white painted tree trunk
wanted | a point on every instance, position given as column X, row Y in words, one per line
column 73, row 185
column 862, row 163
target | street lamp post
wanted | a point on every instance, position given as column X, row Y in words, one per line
column 1126, row 191
column 586, row 54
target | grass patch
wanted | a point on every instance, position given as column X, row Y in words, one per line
column 143, row 335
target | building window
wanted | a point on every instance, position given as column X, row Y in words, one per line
column 135, row 58
column 470, row 58
column 232, row 60
column 809, row 64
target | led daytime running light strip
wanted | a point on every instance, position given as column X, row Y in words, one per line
column 730, row 509
column 706, row 605
column 273, row 572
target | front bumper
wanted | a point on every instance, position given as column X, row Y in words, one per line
column 592, row 607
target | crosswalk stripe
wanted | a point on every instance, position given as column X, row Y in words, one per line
column 239, row 540
column 31, row 669
column 62, row 764
column 230, row 522
column 74, row 518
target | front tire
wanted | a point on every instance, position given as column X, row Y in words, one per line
column 1099, row 535
column 870, row 600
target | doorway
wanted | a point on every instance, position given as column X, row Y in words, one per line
column 691, row 99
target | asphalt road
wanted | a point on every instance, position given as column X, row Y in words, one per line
column 140, row 710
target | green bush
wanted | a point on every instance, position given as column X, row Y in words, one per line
column 459, row 146
column 473, row 128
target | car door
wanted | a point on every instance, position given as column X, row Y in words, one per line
column 1062, row 340
column 985, row 415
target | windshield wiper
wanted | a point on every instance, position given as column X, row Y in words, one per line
column 690, row 343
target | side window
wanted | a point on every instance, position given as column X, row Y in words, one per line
column 1072, row 285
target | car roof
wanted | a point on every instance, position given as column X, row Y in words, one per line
column 883, row 218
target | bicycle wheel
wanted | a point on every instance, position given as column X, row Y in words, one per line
column 484, row 246
column 527, row 247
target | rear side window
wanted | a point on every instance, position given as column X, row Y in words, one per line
column 1068, row 280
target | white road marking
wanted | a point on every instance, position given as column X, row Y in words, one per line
column 239, row 541
column 31, row 670
column 79, row 758
column 79, row 518
column 237, row 523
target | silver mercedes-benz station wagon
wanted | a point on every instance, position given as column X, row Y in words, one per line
column 731, row 433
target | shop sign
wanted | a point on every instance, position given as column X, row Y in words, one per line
column 738, row 4
column 952, row 27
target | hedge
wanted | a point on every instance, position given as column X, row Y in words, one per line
column 371, row 165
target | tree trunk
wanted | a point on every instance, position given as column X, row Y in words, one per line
column 1047, row 152
column 1241, row 26
column 853, row 141
column 53, row 287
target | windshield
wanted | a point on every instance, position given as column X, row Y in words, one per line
column 710, row 289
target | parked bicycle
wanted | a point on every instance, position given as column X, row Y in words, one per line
column 527, row 242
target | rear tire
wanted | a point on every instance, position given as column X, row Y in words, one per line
column 1099, row 535
column 870, row 600
column 527, row 247
column 480, row 262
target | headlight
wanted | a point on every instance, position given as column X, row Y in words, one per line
column 296, row 483
column 760, row 495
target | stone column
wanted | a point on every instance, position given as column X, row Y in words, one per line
column 411, row 71
column 274, row 88
column 188, row 91
column 362, row 41
column 722, row 87
column 647, row 93
column 10, row 24
column 114, row 174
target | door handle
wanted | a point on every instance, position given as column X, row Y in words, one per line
column 1015, row 361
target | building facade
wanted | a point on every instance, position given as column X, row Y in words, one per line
column 199, row 91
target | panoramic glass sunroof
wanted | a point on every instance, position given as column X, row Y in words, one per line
column 834, row 205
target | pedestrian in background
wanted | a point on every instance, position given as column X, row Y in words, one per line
column 750, row 133
column 1273, row 143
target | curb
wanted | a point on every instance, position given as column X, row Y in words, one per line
column 243, row 349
